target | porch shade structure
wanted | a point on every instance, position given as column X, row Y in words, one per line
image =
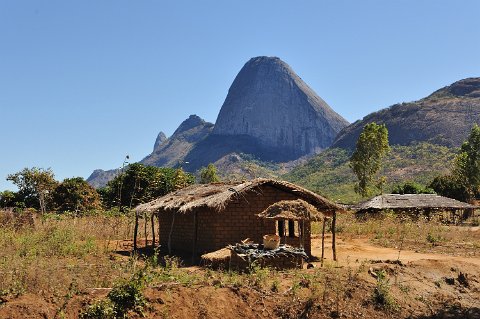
column 301, row 211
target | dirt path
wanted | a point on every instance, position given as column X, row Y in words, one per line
column 357, row 250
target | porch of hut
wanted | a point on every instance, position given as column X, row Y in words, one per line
column 293, row 220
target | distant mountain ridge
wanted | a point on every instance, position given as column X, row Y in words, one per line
column 444, row 118
column 270, row 113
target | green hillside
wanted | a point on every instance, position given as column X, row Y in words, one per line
column 329, row 174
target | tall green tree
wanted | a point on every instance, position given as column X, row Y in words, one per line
column 35, row 187
column 467, row 163
column 209, row 174
column 76, row 195
column 367, row 159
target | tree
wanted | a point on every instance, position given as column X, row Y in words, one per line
column 209, row 174
column 75, row 194
column 411, row 187
column 35, row 186
column 450, row 186
column 467, row 163
column 140, row 184
column 367, row 159
column 8, row 199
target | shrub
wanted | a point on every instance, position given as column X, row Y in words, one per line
column 128, row 295
column 382, row 295
column 102, row 309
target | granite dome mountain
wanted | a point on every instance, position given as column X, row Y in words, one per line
column 269, row 113
column 269, row 102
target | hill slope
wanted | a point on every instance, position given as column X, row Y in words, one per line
column 329, row 174
column 444, row 118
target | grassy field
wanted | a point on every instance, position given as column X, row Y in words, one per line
column 65, row 266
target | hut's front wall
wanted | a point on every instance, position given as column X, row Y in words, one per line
column 236, row 222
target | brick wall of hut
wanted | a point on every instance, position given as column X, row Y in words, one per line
column 229, row 226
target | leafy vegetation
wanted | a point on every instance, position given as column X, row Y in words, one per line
column 209, row 174
column 140, row 183
column 35, row 186
column 367, row 159
column 467, row 163
column 411, row 187
column 75, row 195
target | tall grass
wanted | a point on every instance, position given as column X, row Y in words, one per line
column 60, row 250
column 391, row 230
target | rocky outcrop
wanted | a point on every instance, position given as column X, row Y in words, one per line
column 268, row 103
column 172, row 151
column 161, row 137
column 100, row 178
column 444, row 118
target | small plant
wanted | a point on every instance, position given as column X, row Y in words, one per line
column 275, row 286
column 432, row 239
column 128, row 295
column 475, row 222
column 258, row 276
column 382, row 295
column 102, row 309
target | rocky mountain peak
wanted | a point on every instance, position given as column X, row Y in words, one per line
column 161, row 137
column 192, row 121
column 270, row 103
column 469, row 88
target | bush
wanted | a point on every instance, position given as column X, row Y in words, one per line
column 102, row 309
column 411, row 187
column 382, row 295
column 128, row 295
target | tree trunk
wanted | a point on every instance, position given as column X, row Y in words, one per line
column 323, row 239
column 135, row 232
column 334, row 248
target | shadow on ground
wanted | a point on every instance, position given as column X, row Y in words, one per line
column 454, row 313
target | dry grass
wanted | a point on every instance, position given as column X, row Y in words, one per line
column 63, row 251
column 419, row 235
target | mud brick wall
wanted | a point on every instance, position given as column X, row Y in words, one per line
column 236, row 222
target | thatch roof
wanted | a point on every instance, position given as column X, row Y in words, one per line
column 412, row 201
column 217, row 195
column 292, row 209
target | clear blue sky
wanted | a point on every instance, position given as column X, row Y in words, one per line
column 83, row 83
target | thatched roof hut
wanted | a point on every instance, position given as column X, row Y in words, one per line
column 416, row 203
column 217, row 196
column 412, row 201
column 208, row 217
column 292, row 210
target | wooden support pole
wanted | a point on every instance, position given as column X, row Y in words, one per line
column 195, row 236
column 152, row 220
column 170, row 235
column 135, row 232
column 323, row 238
column 334, row 248
column 145, row 228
